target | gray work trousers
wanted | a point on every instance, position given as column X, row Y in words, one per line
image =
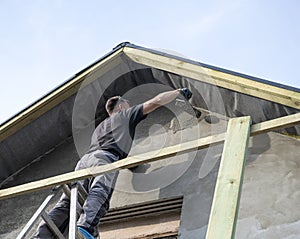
column 99, row 188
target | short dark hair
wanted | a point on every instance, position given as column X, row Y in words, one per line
column 112, row 102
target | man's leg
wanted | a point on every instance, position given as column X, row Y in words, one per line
column 99, row 190
column 97, row 202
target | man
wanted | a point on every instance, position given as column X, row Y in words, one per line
column 111, row 141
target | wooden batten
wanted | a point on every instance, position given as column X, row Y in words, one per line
column 214, row 77
column 225, row 205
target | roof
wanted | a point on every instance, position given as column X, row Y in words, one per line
column 125, row 67
column 55, row 93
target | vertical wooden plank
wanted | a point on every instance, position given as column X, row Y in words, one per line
column 225, row 203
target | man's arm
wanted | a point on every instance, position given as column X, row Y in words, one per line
column 160, row 100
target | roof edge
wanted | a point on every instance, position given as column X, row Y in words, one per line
column 264, row 81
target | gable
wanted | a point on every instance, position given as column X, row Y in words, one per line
column 49, row 121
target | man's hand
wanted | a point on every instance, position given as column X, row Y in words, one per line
column 186, row 93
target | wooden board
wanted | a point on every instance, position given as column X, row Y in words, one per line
column 225, row 205
column 214, row 77
column 144, row 158
column 275, row 124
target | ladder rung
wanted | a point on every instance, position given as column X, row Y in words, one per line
column 52, row 226
column 66, row 190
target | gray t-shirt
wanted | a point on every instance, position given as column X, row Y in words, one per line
column 115, row 134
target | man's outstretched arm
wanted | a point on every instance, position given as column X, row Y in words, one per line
column 164, row 98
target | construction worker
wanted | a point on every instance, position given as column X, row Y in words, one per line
column 111, row 141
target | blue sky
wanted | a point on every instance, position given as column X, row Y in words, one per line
column 43, row 43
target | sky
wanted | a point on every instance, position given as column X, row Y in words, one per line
column 45, row 42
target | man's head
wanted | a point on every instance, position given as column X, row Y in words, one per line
column 116, row 104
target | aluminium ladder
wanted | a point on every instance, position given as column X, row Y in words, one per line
column 77, row 195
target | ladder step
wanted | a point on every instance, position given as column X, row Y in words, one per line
column 52, row 226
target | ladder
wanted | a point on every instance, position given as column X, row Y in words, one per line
column 77, row 195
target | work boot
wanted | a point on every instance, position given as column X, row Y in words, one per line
column 85, row 233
